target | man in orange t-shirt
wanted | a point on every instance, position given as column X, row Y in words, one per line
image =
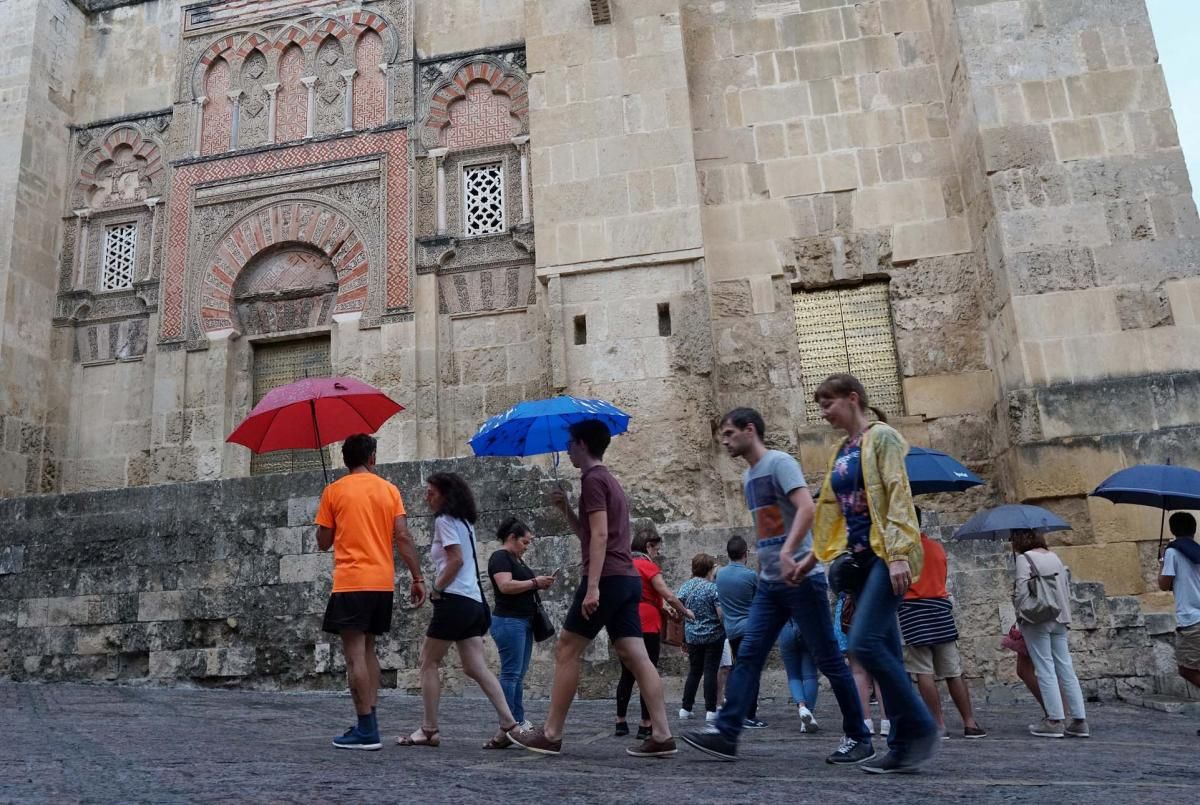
column 361, row 515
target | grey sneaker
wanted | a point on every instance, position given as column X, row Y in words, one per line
column 1078, row 728
column 1047, row 729
column 851, row 751
column 889, row 764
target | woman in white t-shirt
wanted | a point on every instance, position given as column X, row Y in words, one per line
column 460, row 613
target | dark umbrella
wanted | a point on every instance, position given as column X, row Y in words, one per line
column 312, row 413
column 1161, row 486
column 998, row 522
column 932, row 471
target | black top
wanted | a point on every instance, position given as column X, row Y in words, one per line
column 519, row 605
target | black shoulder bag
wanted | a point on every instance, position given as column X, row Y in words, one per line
column 487, row 610
column 543, row 627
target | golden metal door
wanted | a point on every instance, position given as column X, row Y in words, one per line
column 277, row 364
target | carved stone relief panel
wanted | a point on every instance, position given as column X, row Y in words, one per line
column 500, row 288
column 218, row 109
column 370, row 84
column 331, row 61
column 291, row 288
column 292, row 113
column 112, row 341
column 255, row 104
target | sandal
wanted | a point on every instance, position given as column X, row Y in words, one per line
column 430, row 739
column 501, row 740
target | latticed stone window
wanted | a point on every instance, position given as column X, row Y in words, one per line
column 120, row 253
column 849, row 330
column 483, row 198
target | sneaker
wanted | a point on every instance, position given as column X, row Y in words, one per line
column 944, row 735
column 653, row 748
column 353, row 739
column 885, row 728
column 1078, row 728
column 526, row 725
column 710, row 716
column 753, row 724
column 1047, row 729
column 643, row 733
column 685, row 714
column 851, row 751
column 870, row 725
column 535, row 740
column 889, row 764
column 621, row 730
column 711, row 742
column 974, row 732
column 808, row 723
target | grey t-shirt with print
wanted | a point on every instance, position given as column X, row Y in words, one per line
column 767, row 485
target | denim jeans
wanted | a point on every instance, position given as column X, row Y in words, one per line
column 807, row 605
column 800, row 665
column 874, row 641
column 1051, row 655
column 514, row 638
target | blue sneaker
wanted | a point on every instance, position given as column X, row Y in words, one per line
column 353, row 739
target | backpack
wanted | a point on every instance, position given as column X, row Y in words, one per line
column 1038, row 601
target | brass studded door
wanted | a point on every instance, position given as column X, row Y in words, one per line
column 277, row 364
column 849, row 330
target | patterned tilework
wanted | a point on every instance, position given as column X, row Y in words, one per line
column 370, row 91
column 480, row 118
column 285, row 222
column 499, row 82
column 218, row 112
column 291, row 116
column 392, row 145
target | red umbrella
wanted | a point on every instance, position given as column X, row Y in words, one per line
column 312, row 413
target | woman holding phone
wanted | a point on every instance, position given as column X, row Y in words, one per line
column 515, row 586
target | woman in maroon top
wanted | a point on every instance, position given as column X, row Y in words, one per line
column 654, row 592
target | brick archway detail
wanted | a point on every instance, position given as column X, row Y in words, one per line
column 455, row 89
column 303, row 222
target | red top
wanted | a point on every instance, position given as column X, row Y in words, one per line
column 932, row 583
column 650, row 607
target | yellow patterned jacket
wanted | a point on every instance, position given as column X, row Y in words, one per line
column 895, row 533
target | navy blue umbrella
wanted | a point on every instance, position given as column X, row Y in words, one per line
column 931, row 471
column 998, row 522
column 542, row 426
column 1161, row 486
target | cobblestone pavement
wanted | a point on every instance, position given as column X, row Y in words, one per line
column 71, row 743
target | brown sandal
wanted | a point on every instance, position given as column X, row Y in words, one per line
column 430, row 736
column 501, row 740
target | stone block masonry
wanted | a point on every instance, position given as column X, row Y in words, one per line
column 220, row 583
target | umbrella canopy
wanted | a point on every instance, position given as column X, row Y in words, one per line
column 1162, row 486
column 931, row 471
column 312, row 413
column 541, row 426
column 996, row 523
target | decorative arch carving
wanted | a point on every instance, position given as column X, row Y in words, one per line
column 292, row 108
column 464, row 86
column 312, row 223
column 217, row 127
column 370, row 84
column 308, row 33
column 256, row 105
column 332, row 59
column 125, row 167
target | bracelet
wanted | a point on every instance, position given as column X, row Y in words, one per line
column 418, row 580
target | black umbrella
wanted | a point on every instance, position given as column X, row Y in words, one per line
column 1162, row 486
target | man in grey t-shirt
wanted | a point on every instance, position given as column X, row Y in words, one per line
column 791, row 585
column 736, row 584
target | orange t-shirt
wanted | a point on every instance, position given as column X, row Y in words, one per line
column 361, row 508
column 932, row 583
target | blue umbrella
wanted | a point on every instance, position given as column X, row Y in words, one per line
column 1162, row 486
column 996, row 523
column 931, row 471
column 541, row 426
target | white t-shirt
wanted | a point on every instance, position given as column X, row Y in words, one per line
column 453, row 531
column 1186, row 587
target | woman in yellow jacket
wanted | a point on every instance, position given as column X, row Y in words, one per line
column 866, row 528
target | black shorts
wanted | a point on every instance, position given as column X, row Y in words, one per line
column 367, row 611
column 618, row 610
column 457, row 617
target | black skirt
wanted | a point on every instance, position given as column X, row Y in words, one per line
column 457, row 617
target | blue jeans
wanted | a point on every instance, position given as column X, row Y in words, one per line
column 807, row 605
column 514, row 638
column 874, row 640
column 800, row 665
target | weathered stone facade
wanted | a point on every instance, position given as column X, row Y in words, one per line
column 482, row 201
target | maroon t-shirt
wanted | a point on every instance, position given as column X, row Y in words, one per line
column 599, row 491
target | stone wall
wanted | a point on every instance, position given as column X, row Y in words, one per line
column 221, row 583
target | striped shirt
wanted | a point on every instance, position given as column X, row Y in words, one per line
column 927, row 621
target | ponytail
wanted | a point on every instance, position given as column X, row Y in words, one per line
column 879, row 414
